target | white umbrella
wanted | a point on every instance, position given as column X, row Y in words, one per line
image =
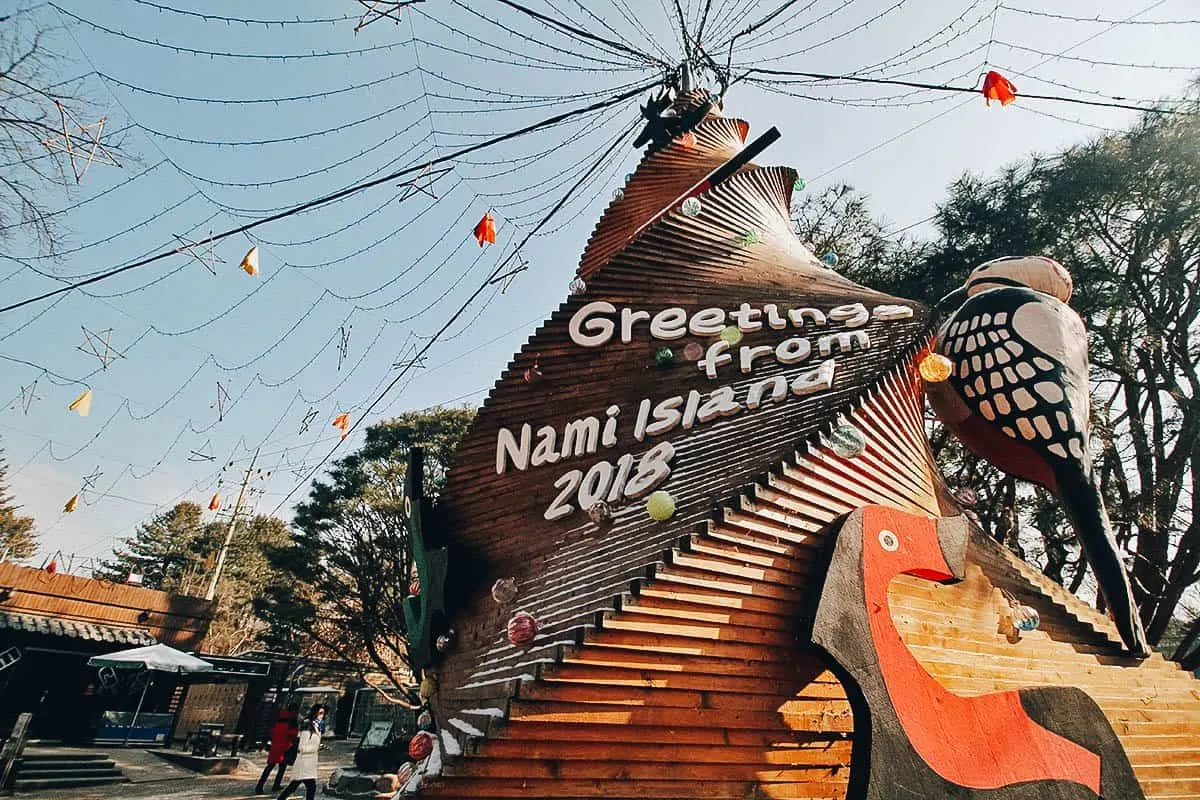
column 155, row 658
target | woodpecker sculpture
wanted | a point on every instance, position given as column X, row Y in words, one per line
column 1018, row 397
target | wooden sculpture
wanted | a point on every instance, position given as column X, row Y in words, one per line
column 1018, row 397
column 422, row 611
column 924, row 740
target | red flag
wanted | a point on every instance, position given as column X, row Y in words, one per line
column 215, row 503
column 485, row 230
column 998, row 87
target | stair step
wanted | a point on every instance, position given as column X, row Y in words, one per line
column 77, row 772
column 63, row 757
column 65, row 765
column 33, row 784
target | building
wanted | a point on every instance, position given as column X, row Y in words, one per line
column 51, row 624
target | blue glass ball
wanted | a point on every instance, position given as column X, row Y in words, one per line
column 1027, row 619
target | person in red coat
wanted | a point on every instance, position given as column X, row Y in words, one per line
column 284, row 735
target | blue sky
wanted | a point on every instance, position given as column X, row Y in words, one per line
column 390, row 270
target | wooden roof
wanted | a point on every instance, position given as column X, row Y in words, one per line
column 670, row 661
column 170, row 619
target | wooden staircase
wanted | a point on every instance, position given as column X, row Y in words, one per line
column 697, row 684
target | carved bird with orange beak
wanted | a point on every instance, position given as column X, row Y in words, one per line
column 1018, row 397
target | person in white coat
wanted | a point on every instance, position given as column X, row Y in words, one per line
column 305, row 769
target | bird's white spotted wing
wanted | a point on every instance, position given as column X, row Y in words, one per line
column 1020, row 362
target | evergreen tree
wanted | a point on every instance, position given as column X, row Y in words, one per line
column 168, row 552
column 342, row 576
column 17, row 539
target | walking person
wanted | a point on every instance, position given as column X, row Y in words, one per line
column 284, row 734
column 305, row 769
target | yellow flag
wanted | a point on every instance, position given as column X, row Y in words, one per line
column 82, row 404
column 70, row 506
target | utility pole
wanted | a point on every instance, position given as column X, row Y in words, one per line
column 233, row 521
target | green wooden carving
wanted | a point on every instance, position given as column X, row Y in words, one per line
column 421, row 611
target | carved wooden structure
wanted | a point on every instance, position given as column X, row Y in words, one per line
column 672, row 661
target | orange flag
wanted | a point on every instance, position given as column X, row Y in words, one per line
column 215, row 503
column 485, row 230
column 998, row 87
column 342, row 421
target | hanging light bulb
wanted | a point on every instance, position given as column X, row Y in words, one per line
column 688, row 140
column 691, row 207
column 664, row 356
column 732, row 334
column 799, row 184
column 830, row 259
column 693, row 351
column 618, row 194
column 577, row 286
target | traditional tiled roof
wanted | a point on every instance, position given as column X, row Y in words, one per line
column 74, row 629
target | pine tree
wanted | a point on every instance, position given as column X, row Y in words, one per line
column 168, row 552
column 17, row 539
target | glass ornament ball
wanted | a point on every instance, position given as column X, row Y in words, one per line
column 749, row 238
column 504, row 591
column 421, row 746
column 660, row 506
column 1026, row 619
column 693, row 351
column 618, row 194
column 628, row 177
column 830, row 259
column 799, row 184
column 577, row 286
column 732, row 334
column 691, row 207
column 664, row 356
column 521, row 629
column 847, row 441
column 935, row 368
column 600, row 513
